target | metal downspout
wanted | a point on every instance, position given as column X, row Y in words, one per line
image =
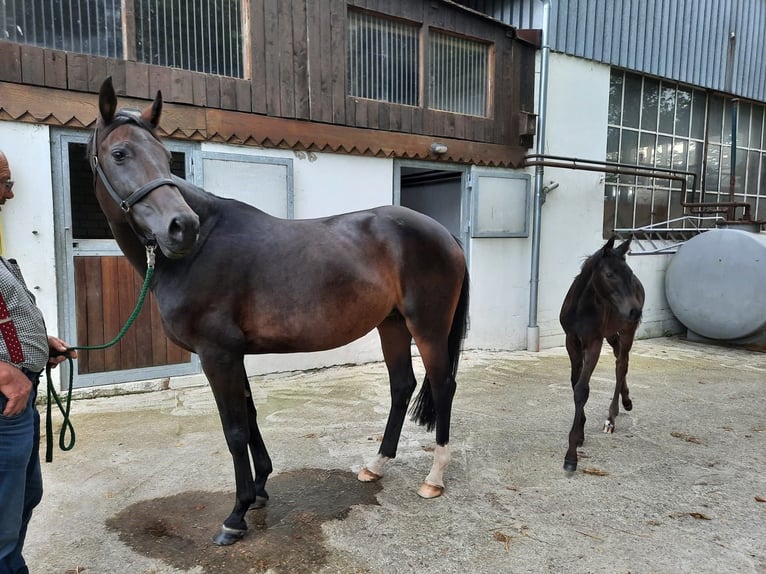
column 533, row 330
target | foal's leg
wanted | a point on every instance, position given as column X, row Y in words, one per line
column 226, row 373
column 574, row 350
column 395, row 340
column 438, row 372
column 261, row 459
column 591, row 352
column 621, row 343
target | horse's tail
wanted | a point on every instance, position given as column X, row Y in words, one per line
column 423, row 410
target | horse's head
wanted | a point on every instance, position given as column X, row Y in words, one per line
column 614, row 281
column 133, row 178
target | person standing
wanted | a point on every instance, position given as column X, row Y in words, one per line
column 25, row 350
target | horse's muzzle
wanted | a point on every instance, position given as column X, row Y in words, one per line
column 181, row 236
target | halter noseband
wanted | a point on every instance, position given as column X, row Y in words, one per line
column 127, row 203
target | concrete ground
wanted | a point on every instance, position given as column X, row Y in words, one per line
column 680, row 487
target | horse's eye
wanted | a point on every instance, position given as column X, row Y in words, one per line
column 609, row 274
column 118, row 154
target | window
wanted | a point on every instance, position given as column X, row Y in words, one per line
column 654, row 123
column 188, row 34
column 193, row 35
column 459, row 72
column 383, row 59
column 384, row 64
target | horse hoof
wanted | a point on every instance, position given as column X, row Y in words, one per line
column 227, row 536
column 366, row 475
column 609, row 427
column 627, row 405
column 430, row 490
column 260, row 502
column 570, row 466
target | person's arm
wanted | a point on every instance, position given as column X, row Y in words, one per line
column 16, row 387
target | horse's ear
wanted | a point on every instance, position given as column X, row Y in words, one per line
column 609, row 245
column 152, row 113
column 107, row 101
column 624, row 247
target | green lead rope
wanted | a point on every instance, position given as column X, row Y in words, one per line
column 66, row 426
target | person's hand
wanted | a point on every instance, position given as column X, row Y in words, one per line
column 16, row 387
column 58, row 351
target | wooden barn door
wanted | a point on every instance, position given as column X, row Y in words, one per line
column 100, row 289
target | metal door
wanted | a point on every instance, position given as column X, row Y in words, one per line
column 99, row 289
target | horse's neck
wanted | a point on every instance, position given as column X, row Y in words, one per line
column 131, row 246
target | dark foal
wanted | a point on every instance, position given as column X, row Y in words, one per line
column 231, row 280
column 605, row 301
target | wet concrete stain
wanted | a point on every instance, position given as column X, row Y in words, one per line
column 284, row 537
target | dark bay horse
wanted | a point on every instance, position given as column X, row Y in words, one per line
column 231, row 280
column 605, row 301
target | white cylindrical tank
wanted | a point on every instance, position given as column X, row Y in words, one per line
column 716, row 284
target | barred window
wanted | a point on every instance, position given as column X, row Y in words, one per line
column 83, row 26
column 459, row 74
column 383, row 59
column 654, row 123
column 193, row 35
column 189, row 34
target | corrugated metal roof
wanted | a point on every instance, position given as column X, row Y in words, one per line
column 683, row 40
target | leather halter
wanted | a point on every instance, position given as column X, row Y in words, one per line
column 136, row 196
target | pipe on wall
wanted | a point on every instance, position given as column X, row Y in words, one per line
column 533, row 330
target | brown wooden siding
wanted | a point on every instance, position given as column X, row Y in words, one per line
column 111, row 288
column 297, row 72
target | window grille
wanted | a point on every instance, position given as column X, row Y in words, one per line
column 198, row 35
column 83, row 26
column 654, row 123
column 459, row 74
column 383, row 59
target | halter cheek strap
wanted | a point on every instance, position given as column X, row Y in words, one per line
column 127, row 203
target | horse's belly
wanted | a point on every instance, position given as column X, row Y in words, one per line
column 307, row 332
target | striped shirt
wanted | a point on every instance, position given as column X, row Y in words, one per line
column 26, row 316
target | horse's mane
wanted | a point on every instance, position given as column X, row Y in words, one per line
column 586, row 270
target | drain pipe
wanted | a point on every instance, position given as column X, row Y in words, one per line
column 533, row 330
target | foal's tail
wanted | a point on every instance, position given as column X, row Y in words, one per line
column 423, row 411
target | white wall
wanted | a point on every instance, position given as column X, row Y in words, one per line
column 27, row 219
column 578, row 101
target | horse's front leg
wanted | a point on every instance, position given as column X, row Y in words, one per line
column 622, row 346
column 581, row 391
column 228, row 381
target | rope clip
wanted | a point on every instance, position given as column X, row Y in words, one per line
column 150, row 247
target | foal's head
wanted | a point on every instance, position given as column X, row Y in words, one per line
column 133, row 178
column 613, row 280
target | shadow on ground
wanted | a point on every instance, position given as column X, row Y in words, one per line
column 284, row 537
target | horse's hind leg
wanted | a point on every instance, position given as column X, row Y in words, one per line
column 261, row 459
column 395, row 340
column 438, row 389
column 621, row 344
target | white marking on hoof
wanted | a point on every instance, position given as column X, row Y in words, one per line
column 366, row 475
column 608, row 427
column 433, row 485
column 429, row 490
column 373, row 470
